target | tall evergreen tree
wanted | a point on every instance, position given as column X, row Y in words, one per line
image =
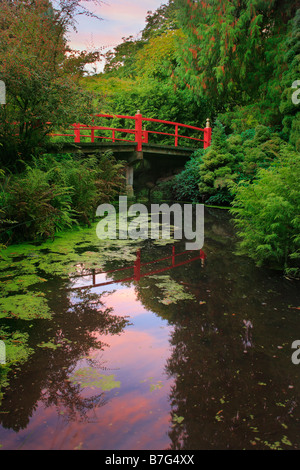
column 288, row 107
column 162, row 20
column 230, row 47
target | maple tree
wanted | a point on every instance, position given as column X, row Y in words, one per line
column 40, row 73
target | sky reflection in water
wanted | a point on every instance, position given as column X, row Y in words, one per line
column 212, row 371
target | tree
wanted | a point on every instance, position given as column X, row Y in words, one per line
column 230, row 48
column 142, row 76
column 290, row 110
column 120, row 61
column 68, row 10
column 162, row 20
column 217, row 168
column 157, row 59
column 41, row 81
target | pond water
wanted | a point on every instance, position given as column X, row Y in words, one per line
column 192, row 351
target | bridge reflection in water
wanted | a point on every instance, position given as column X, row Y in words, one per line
column 138, row 273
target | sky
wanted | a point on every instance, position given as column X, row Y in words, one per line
column 121, row 18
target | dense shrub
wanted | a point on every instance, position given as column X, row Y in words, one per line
column 35, row 205
column 218, row 165
column 267, row 216
column 53, row 193
column 238, row 157
column 186, row 184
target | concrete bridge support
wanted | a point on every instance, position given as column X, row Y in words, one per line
column 143, row 168
column 129, row 180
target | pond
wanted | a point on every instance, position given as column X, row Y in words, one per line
column 141, row 345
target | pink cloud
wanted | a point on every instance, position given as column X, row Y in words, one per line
column 121, row 18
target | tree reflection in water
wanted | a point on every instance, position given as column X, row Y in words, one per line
column 44, row 377
column 229, row 386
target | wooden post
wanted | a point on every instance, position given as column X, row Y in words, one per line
column 3, row 102
column 76, row 133
column 139, row 131
column 207, row 134
column 145, row 136
column 176, row 135
column 93, row 133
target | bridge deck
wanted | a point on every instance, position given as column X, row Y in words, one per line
column 124, row 150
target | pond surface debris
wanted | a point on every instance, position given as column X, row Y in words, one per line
column 180, row 352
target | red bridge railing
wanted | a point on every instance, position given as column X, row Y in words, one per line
column 137, row 268
column 139, row 134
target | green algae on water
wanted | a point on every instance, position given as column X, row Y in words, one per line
column 17, row 350
column 20, row 283
column 87, row 377
column 172, row 291
column 25, row 307
column 69, row 252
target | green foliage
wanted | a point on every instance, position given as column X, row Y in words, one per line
column 230, row 49
column 121, row 61
column 186, row 183
column 290, row 111
column 164, row 19
column 159, row 100
column 41, row 81
column 52, row 194
column 234, row 62
column 141, row 75
column 217, row 168
column 266, row 214
column 163, row 191
column 157, row 59
column 238, row 158
column 37, row 206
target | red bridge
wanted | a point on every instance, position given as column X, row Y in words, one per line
column 137, row 267
column 134, row 138
column 90, row 133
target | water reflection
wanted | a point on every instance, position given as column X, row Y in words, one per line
column 59, row 344
column 209, row 371
column 90, row 276
column 247, row 339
